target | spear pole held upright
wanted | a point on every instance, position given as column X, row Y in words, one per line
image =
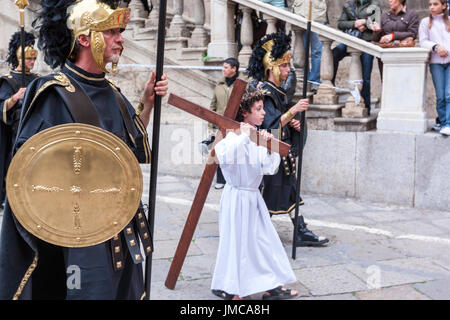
column 22, row 4
column 302, row 131
column 155, row 140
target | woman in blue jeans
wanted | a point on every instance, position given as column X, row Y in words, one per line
column 434, row 34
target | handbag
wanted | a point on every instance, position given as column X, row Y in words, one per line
column 407, row 42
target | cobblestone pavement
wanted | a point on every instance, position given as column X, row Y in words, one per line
column 375, row 251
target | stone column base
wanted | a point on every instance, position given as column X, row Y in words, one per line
column 353, row 110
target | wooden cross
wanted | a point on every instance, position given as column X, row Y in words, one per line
column 223, row 122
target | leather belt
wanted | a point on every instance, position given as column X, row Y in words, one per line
column 140, row 224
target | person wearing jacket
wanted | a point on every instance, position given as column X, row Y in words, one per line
column 319, row 14
column 220, row 99
column 355, row 16
column 434, row 34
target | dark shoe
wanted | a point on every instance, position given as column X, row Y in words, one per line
column 219, row 186
column 306, row 238
column 222, row 294
column 279, row 293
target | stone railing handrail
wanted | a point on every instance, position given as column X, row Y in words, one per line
column 325, row 31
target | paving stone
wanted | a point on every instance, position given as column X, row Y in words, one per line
column 436, row 289
column 398, row 272
column 198, row 267
column 415, row 248
column 329, row 280
column 165, row 249
column 394, row 293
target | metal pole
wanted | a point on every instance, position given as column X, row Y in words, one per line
column 302, row 132
column 22, row 4
column 155, row 140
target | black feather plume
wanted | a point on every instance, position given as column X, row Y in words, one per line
column 55, row 38
column 14, row 44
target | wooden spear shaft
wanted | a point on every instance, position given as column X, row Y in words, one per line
column 302, row 132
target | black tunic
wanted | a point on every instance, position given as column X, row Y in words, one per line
column 9, row 85
column 21, row 252
column 279, row 191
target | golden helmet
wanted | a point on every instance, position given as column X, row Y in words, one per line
column 91, row 17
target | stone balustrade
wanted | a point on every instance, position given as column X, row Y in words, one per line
column 404, row 69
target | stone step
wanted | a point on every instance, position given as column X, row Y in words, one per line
column 356, row 124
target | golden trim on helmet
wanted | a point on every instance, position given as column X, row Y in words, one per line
column 91, row 17
column 271, row 64
column 30, row 53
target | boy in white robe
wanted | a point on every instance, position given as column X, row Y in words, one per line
column 251, row 258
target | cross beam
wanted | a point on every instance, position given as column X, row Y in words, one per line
column 223, row 122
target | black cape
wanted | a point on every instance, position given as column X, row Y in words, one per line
column 279, row 190
column 33, row 269
column 9, row 84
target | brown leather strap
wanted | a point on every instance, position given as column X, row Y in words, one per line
column 117, row 252
column 79, row 104
column 126, row 116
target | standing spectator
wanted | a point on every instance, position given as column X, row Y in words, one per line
column 319, row 14
column 355, row 16
column 434, row 34
column 220, row 100
column 398, row 24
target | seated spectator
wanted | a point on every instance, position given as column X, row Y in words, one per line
column 434, row 34
column 319, row 14
column 398, row 28
column 399, row 23
column 355, row 16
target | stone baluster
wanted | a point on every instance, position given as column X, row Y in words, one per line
column 199, row 37
column 153, row 17
column 298, row 57
column 353, row 109
column 223, row 44
column 178, row 25
column 137, row 17
column 246, row 36
column 137, row 9
column 299, row 47
column 271, row 24
column 326, row 94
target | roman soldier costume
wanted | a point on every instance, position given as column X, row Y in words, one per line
column 79, row 234
column 10, row 83
column 279, row 190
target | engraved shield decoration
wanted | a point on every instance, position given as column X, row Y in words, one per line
column 74, row 185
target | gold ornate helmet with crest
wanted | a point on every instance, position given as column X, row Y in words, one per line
column 268, row 54
column 61, row 22
column 91, row 17
column 15, row 49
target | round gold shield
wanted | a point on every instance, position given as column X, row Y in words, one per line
column 74, row 185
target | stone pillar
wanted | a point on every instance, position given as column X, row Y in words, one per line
column 271, row 24
column 199, row 37
column 326, row 95
column 177, row 25
column 223, row 44
column 353, row 109
column 246, row 36
column 403, row 95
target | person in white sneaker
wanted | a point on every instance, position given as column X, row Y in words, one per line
column 434, row 34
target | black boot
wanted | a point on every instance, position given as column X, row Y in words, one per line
column 306, row 238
